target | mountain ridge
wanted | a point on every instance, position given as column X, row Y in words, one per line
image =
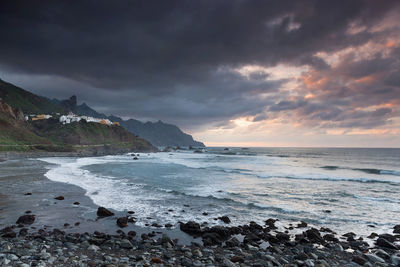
column 158, row 133
column 46, row 133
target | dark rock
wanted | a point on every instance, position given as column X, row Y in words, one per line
column 103, row 212
column 76, row 203
column 28, row 194
column 66, row 224
column 325, row 229
column 131, row 212
column 156, row 225
column 135, row 158
column 251, row 238
column 237, row 259
column 26, row 219
column 225, row 219
column 327, row 211
column 28, row 212
column 330, row 238
column 9, row 234
column 358, row 259
column 282, row 237
column 59, row 198
column 168, row 225
column 23, row 232
column 156, row 260
column 382, row 242
column 131, row 219
column 144, row 236
column 271, row 223
column 388, row 237
column 210, row 239
column 349, row 234
column 222, row 231
column 396, row 229
column 191, row 228
column 254, row 227
column 358, row 245
column 233, row 242
column 301, row 225
column 205, row 213
column 132, row 233
column 122, row 222
column 373, row 235
column 301, row 256
column 77, row 223
column 314, row 236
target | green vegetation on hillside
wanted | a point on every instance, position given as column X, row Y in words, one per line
column 29, row 103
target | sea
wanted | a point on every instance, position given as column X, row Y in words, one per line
column 345, row 189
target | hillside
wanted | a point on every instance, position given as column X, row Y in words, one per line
column 158, row 133
column 15, row 133
column 28, row 102
column 82, row 134
column 49, row 135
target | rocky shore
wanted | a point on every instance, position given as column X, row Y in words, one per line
column 245, row 245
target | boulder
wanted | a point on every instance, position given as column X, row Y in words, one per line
column 382, row 242
column 360, row 260
column 191, row 228
column 210, row 239
column 103, row 212
column 26, row 219
column 238, row 259
column 301, row 225
column 331, row 238
column 156, row 260
column 122, row 222
column 225, row 219
column 233, row 242
column 396, row 229
column 282, row 237
column 271, row 223
column 314, row 236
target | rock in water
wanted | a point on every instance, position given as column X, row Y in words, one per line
column 225, row 219
column 103, row 212
column 382, row 242
column 122, row 222
column 59, row 198
column 26, row 219
column 191, row 228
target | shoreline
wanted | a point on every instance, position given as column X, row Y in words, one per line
column 189, row 244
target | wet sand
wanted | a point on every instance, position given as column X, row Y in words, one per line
column 25, row 188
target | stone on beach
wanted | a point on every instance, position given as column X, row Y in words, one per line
column 122, row 222
column 225, row 219
column 103, row 212
column 26, row 219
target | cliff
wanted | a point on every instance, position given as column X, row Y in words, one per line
column 158, row 133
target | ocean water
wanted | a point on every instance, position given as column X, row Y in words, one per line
column 345, row 189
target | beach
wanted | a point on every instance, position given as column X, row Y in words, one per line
column 67, row 231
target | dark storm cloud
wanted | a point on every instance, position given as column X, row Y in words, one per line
column 174, row 60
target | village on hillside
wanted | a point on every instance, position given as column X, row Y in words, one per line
column 70, row 118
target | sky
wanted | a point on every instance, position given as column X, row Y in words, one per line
column 316, row 73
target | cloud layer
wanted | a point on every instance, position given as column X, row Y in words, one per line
column 321, row 65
